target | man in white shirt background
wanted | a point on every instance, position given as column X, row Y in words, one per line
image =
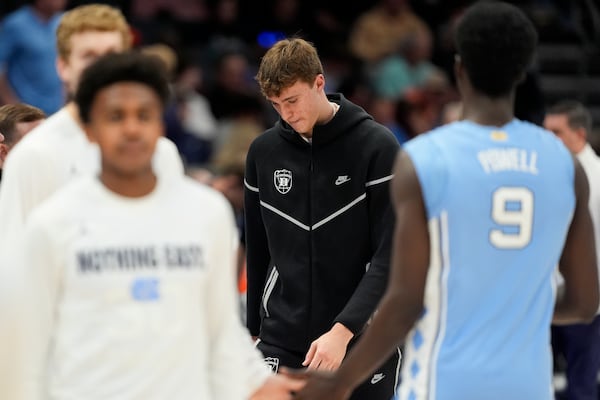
column 580, row 343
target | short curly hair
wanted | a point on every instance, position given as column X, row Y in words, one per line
column 496, row 42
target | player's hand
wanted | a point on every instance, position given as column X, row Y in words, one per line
column 328, row 351
column 319, row 385
column 278, row 387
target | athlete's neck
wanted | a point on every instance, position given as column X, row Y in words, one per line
column 138, row 185
column 488, row 111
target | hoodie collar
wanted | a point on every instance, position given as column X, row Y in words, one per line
column 348, row 116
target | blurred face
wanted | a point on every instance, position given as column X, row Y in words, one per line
column 227, row 11
column 421, row 48
column 126, row 122
column 86, row 47
column 574, row 139
column 298, row 105
column 189, row 79
column 233, row 71
column 50, row 6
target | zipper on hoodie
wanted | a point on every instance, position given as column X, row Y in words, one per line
column 311, row 168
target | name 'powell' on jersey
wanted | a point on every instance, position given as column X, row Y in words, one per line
column 508, row 159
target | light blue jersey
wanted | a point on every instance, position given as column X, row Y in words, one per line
column 499, row 203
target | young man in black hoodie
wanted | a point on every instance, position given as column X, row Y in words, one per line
column 318, row 220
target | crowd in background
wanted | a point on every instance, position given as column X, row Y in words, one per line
column 392, row 57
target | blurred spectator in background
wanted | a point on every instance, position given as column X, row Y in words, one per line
column 443, row 28
column 228, row 28
column 230, row 182
column 356, row 87
column 232, row 84
column 188, row 118
column 378, row 32
column 194, row 109
column 235, row 135
column 330, row 27
column 451, row 112
column 28, row 56
column 282, row 18
column 409, row 67
column 176, row 22
column 165, row 54
column 421, row 110
column 16, row 120
column 384, row 110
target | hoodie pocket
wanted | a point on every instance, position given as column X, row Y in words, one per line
column 269, row 286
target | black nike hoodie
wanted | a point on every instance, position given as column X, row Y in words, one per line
column 318, row 227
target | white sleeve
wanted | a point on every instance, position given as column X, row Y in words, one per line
column 233, row 354
column 39, row 285
column 13, row 331
column 28, row 178
column 26, row 182
column 166, row 161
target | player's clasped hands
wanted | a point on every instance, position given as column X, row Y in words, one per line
column 318, row 385
column 278, row 387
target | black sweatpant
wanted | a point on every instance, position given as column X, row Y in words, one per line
column 379, row 386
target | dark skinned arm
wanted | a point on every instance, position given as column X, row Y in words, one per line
column 577, row 299
column 402, row 303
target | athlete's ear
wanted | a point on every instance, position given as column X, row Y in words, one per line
column 62, row 68
column 320, row 82
column 581, row 133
